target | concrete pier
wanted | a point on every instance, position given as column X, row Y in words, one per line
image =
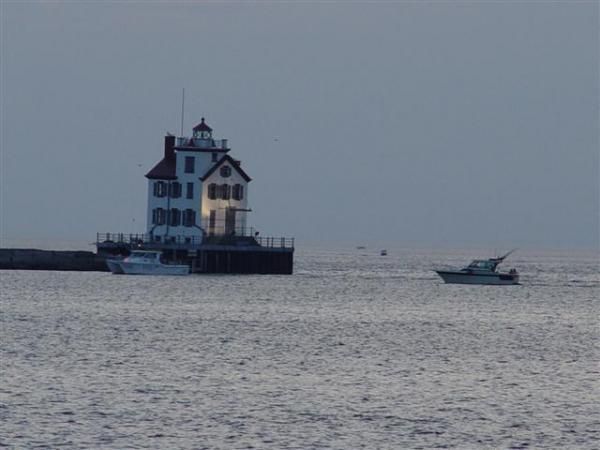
column 214, row 254
column 33, row 259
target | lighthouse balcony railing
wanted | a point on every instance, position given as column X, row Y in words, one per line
column 201, row 143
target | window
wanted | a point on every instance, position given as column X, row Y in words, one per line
column 225, row 171
column 175, row 189
column 189, row 218
column 225, row 191
column 174, row 217
column 189, row 164
column 237, row 192
column 190, row 191
column 160, row 189
column 215, row 157
column 158, row 216
column 212, row 191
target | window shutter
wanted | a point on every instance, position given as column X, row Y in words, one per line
column 238, row 192
column 173, row 189
column 212, row 191
column 189, row 217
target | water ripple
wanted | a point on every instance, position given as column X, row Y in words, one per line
column 354, row 351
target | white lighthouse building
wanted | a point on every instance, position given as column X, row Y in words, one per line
column 196, row 190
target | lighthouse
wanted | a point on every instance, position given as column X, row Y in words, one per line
column 196, row 190
column 197, row 213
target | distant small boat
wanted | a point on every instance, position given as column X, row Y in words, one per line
column 383, row 252
column 145, row 262
column 361, row 247
column 481, row 271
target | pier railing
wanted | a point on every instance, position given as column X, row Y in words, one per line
column 275, row 242
column 146, row 240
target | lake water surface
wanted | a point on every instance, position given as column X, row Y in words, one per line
column 353, row 351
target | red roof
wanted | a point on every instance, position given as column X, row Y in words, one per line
column 233, row 163
column 202, row 126
column 164, row 170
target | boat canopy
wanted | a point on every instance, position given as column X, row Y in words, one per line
column 483, row 264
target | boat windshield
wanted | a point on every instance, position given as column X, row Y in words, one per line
column 482, row 265
column 144, row 255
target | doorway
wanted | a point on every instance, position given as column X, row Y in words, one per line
column 230, row 221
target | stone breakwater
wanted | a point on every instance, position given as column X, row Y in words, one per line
column 33, row 259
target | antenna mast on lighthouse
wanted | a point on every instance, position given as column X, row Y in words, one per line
column 182, row 109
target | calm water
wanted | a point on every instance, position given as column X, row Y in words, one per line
column 352, row 351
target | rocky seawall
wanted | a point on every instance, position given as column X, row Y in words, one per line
column 33, row 259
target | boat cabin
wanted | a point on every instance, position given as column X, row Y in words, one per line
column 149, row 256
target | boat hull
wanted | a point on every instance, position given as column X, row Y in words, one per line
column 114, row 266
column 135, row 268
column 452, row 277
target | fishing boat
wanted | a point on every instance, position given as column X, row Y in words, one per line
column 145, row 262
column 481, row 271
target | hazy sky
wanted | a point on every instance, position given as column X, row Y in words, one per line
column 409, row 123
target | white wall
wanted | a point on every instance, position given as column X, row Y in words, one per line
column 200, row 202
column 219, row 205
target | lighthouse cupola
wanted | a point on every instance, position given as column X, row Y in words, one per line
column 202, row 131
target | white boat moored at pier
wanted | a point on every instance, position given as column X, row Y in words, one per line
column 145, row 262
